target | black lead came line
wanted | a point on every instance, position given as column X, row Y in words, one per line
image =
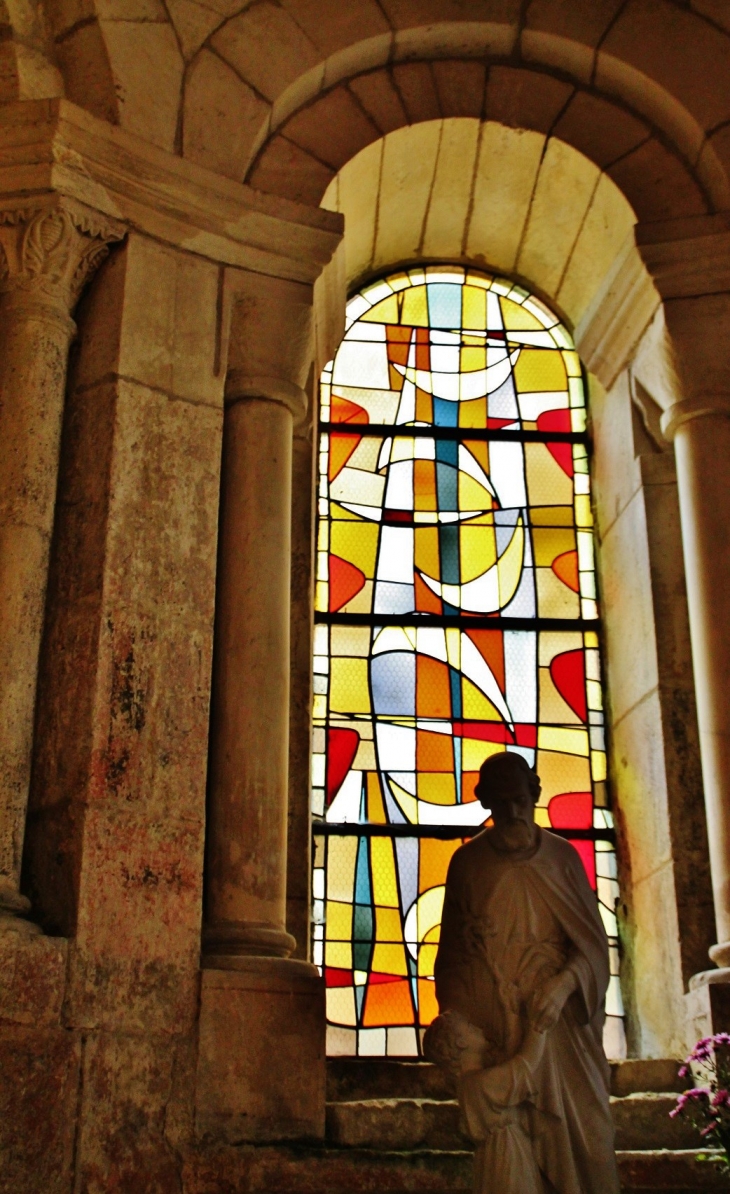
column 440, row 832
column 403, row 431
column 459, row 621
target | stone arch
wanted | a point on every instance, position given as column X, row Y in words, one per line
column 282, row 92
column 518, row 201
column 27, row 66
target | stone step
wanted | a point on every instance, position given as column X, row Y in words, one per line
column 350, row 1078
column 289, row 1170
column 642, row 1122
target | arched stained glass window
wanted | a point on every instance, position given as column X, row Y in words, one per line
column 455, row 617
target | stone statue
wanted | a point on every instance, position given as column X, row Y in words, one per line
column 521, row 977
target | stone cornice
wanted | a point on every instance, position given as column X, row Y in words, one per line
column 687, row 257
column 53, row 147
column 609, row 333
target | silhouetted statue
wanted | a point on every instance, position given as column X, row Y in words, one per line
column 521, row 978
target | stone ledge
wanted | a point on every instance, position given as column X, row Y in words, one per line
column 288, row 1170
column 51, row 146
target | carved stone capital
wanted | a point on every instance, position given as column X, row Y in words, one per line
column 700, row 406
column 49, row 252
column 271, row 344
column 240, row 388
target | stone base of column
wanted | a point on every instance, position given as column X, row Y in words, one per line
column 14, row 908
column 707, row 1005
column 261, row 1056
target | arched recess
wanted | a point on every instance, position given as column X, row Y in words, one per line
column 535, row 209
column 282, row 93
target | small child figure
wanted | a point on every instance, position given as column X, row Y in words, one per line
column 493, row 1099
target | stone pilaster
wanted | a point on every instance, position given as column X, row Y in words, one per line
column 47, row 254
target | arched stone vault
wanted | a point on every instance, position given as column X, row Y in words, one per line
column 283, row 94
column 517, row 201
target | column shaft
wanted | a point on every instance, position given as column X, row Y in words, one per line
column 247, row 826
column 33, row 352
column 702, row 447
column 46, row 256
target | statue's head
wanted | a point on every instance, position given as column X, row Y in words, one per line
column 510, row 789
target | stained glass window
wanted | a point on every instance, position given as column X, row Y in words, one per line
column 455, row 617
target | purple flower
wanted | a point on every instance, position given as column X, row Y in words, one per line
column 698, row 1093
column 721, row 1099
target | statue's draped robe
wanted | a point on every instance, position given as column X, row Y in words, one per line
column 508, row 926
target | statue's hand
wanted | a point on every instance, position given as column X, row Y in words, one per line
column 548, row 1004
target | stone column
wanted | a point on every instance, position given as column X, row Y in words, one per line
column 252, row 991
column 46, row 256
column 247, row 822
column 690, row 264
column 700, row 429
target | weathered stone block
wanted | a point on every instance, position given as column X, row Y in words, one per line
column 261, row 1065
column 128, row 1086
column 33, row 973
column 38, row 1089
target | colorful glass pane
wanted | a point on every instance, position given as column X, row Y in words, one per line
column 456, row 617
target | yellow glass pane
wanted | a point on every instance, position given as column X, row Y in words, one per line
column 572, row 364
column 472, row 495
column 349, row 692
column 476, row 706
column 385, row 887
column 479, row 449
column 474, row 308
column 424, row 485
column 572, row 742
column 434, row 862
column 473, row 359
column 548, row 543
column 338, row 954
column 386, row 311
column 554, row 599
column 376, row 808
column 540, row 369
column 591, row 638
column 474, row 752
column 341, row 868
column 339, row 918
column 583, row 514
column 339, row 512
column 356, row 542
column 562, row 773
column 427, row 960
column 389, row 959
column 517, row 319
column 437, row 787
column 547, row 484
column 478, row 550
column 388, row 926
column 473, row 413
column 341, row 1005
column 415, row 307
column 551, row 516
column 350, row 640
column 598, row 765
column 427, row 551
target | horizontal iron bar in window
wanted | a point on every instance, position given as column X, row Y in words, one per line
column 433, row 432
column 461, row 621
column 445, row 833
